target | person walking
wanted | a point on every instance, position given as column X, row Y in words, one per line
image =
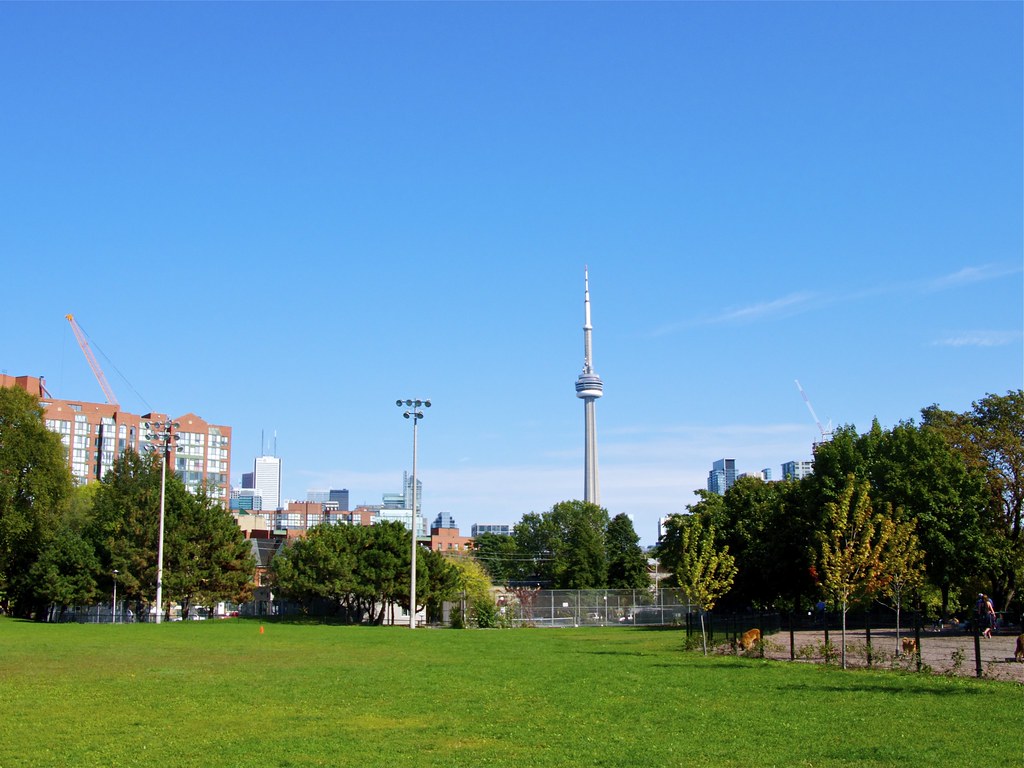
column 986, row 614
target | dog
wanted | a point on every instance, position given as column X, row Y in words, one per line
column 1018, row 655
column 749, row 639
column 909, row 646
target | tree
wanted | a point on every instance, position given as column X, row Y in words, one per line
column 915, row 470
column 322, row 565
column 766, row 528
column 441, row 584
column 710, row 508
column 383, row 567
column 65, row 573
column 477, row 590
column 703, row 571
column 627, row 564
column 533, row 539
column 564, row 548
column 35, row 486
column 903, row 561
column 207, row 558
column 852, row 548
column 500, row 556
column 125, row 525
column 580, row 559
column 990, row 437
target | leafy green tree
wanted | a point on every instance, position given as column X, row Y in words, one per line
column 627, row 563
column 35, row 486
column 580, row 558
column 990, row 437
column 563, row 548
column 207, row 558
column 501, row 557
column 125, row 524
column 703, row 571
column 767, row 531
column 852, row 548
column 710, row 508
column 383, row 567
column 441, row 584
column 533, row 537
column 476, row 589
column 322, row 565
column 915, row 470
column 65, row 573
column 903, row 560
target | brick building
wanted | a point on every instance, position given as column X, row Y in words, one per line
column 95, row 434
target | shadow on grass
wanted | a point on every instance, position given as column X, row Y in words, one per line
column 889, row 689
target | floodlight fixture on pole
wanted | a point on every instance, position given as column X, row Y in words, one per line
column 413, row 412
column 161, row 436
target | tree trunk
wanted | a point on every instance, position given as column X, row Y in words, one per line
column 898, row 647
column 703, row 635
column 845, row 608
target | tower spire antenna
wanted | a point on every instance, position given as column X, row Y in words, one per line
column 589, row 388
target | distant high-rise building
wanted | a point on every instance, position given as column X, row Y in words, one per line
column 340, row 496
column 318, row 495
column 443, row 520
column 589, row 388
column 403, row 500
column 248, row 479
column 499, row 529
column 398, row 506
column 722, row 476
column 246, row 499
column 797, row 470
column 267, row 480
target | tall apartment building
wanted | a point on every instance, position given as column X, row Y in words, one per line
column 94, row 435
column 340, row 497
column 722, row 476
column 797, row 470
column 266, row 478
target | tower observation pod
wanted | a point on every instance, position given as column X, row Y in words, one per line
column 589, row 387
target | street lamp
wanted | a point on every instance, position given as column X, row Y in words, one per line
column 113, row 603
column 413, row 412
column 163, row 435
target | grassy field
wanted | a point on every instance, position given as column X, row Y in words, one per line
column 225, row 694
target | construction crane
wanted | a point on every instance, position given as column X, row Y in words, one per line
column 826, row 434
column 96, row 370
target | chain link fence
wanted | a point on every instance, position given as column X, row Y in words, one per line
column 594, row 607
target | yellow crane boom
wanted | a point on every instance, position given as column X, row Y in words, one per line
column 96, row 370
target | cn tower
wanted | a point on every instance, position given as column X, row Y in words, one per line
column 589, row 387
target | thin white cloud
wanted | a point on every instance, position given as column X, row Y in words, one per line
column 806, row 301
column 795, row 302
column 979, row 339
column 970, row 275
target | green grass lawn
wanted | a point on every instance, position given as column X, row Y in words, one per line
column 223, row 694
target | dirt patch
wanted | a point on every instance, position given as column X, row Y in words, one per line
column 944, row 653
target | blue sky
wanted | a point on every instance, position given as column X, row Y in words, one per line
column 284, row 217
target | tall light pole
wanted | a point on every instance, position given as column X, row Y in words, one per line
column 163, row 435
column 413, row 412
column 113, row 603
